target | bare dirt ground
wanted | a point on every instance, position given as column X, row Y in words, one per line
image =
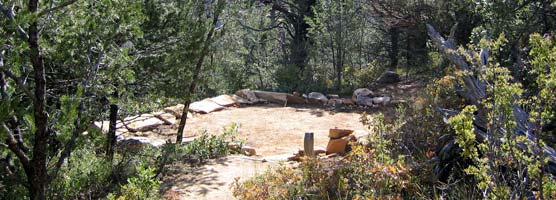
column 276, row 132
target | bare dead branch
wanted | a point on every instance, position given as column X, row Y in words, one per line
column 476, row 91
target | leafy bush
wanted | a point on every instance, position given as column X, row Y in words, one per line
column 365, row 172
column 368, row 75
column 506, row 165
column 86, row 175
column 143, row 186
column 205, row 147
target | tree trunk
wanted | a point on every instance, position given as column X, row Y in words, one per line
column 3, row 83
column 298, row 53
column 409, row 51
column 183, row 119
column 197, row 71
column 340, row 53
column 111, row 142
column 39, row 175
column 394, row 49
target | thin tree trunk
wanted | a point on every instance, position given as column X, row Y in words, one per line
column 3, row 85
column 197, row 72
column 340, row 53
column 409, row 53
column 39, row 174
column 111, row 142
column 394, row 37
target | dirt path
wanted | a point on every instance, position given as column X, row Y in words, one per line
column 275, row 132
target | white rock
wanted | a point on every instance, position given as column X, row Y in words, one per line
column 224, row 100
column 205, row 106
column 145, row 124
column 139, row 141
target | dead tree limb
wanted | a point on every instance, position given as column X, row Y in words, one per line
column 475, row 90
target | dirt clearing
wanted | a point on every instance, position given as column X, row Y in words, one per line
column 276, row 132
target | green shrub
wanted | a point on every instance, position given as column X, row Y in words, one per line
column 85, row 175
column 366, row 172
column 199, row 150
column 505, row 165
column 368, row 75
column 143, row 186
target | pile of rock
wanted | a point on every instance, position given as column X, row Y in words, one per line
column 169, row 116
column 362, row 97
column 338, row 143
column 339, row 140
column 317, row 151
column 366, row 97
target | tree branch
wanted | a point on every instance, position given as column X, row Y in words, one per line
column 10, row 14
column 476, row 91
column 68, row 147
column 258, row 29
column 20, row 83
column 5, row 163
column 47, row 18
column 50, row 10
column 279, row 8
column 12, row 145
column 13, row 124
column 3, row 83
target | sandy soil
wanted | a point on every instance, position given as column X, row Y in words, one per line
column 271, row 129
column 276, row 132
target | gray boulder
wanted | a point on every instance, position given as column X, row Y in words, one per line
column 317, row 98
column 363, row 92
column 382, row 100
column 388, row 77
column 364, row 100
column 247, row 94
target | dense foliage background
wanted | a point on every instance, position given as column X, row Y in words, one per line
column 65, row 63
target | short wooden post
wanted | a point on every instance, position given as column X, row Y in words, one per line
column 309, row 143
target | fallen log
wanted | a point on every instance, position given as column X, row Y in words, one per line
column 475, row 90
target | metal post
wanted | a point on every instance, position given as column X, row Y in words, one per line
column 309, row 143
